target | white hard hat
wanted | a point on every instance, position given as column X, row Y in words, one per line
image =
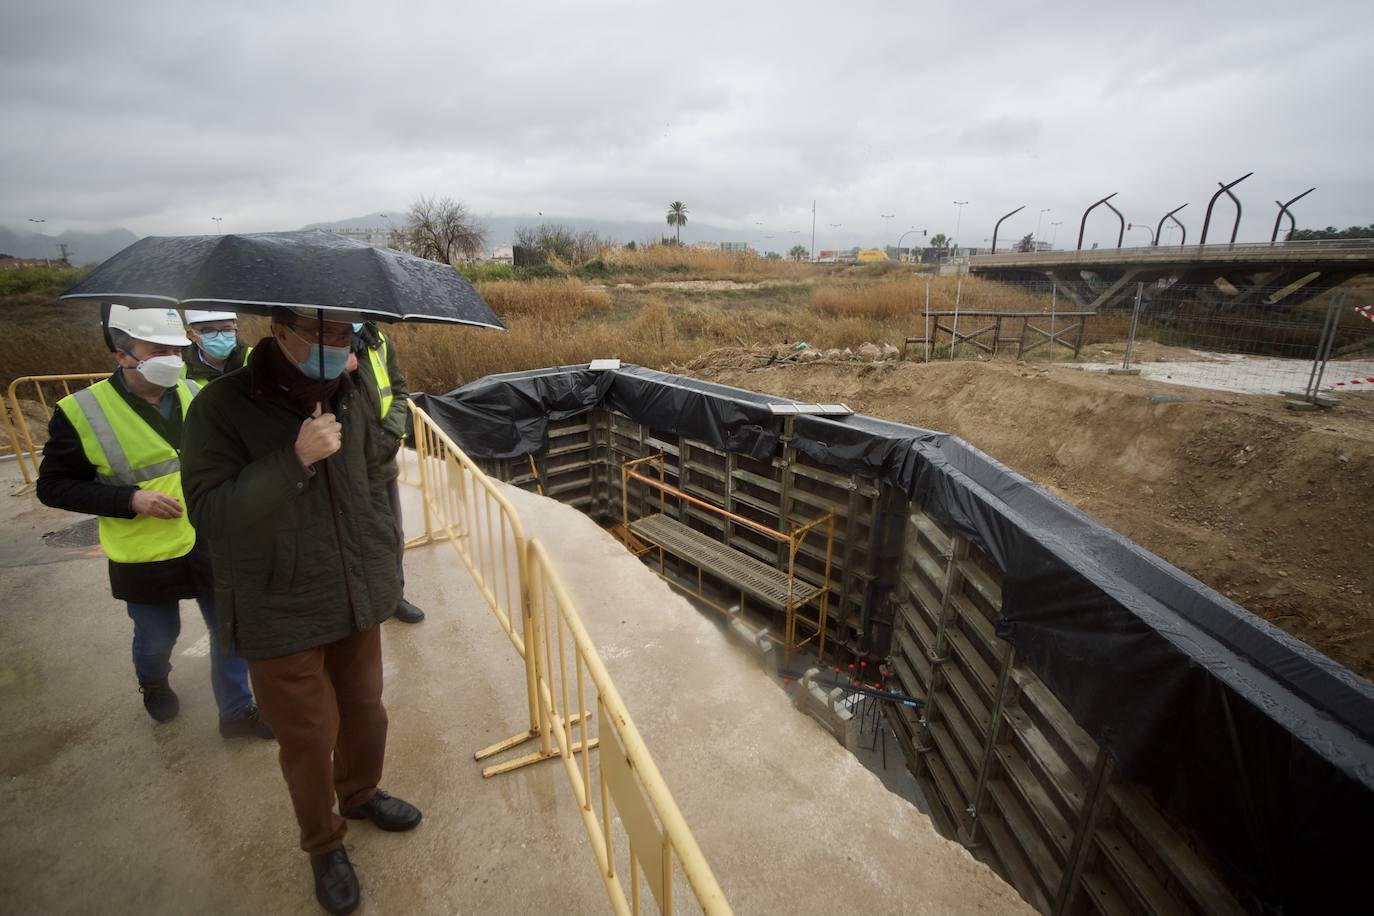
column 159, row 326
column 195, row 316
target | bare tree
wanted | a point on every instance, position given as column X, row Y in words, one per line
column 442, row 229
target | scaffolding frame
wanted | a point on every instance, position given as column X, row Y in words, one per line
column 784, row 592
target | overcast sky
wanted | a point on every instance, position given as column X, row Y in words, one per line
column 157, row 116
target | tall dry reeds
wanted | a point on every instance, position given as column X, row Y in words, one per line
column 703, row 263
column 908, row 297
column 562, row 300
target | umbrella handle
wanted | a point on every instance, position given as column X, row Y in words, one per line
column 320, row 350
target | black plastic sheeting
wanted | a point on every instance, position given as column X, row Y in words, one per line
column 1259, row 743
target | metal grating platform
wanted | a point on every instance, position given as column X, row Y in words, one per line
column 765, row 582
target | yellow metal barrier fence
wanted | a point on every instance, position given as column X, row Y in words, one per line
column 21, row 443
column 659, row 840
column 465, row 508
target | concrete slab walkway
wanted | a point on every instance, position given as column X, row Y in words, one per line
column 108, row 812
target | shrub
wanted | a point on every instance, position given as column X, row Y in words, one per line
column 31, row 279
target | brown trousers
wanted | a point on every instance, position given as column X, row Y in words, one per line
column 325, row 706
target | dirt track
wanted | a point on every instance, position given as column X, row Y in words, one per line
column 1268, row 506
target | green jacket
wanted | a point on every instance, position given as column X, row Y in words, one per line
column 396, row 419
column 197, row 368
column 300, row 558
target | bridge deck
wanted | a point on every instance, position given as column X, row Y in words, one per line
column 1341, row 252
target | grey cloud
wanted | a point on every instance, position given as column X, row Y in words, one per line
column 158, row 116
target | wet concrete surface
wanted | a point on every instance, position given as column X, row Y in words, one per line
column 107, row 811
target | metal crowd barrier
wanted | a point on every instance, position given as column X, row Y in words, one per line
column 21, row 443
column 464, row 507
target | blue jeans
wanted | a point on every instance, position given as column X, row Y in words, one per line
column 156, row 628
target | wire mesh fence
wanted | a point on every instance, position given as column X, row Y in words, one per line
column 1263, row 340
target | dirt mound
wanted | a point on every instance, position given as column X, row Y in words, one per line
column 1268, row 506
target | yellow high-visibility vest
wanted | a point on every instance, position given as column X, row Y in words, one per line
column 126, row 451
column 378, row 357
column 185, row 371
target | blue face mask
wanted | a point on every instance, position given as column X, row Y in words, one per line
column 357, row 326
column 219, row 344
column 335, row 360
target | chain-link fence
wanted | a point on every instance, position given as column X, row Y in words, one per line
column 1277, row 340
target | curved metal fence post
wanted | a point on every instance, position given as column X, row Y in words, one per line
column 1225, row 189
column 1283, row 209
column 1121, row 233
column 1083, row 223
column 998, row 227
column 1159, row 230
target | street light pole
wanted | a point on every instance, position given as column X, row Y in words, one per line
column 1037, row 224
column 1055, row 234
column 1130, row 226
column 887, row 224
column 37, row 222
column 958, row 217
column 219, row 224
column 904, row 235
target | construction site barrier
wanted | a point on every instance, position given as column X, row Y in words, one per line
column 17, row 432
column 465, row 508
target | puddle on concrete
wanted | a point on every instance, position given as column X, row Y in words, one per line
column 85, row 533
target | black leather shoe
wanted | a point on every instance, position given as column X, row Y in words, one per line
column 336, row 884
column 386, row 812
column 408, row 613
column 249, row 724
column 160, row 700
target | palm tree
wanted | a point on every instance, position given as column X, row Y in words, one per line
column 797, row 253
column 677, row 216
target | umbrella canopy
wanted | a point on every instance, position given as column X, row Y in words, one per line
column 309, row 269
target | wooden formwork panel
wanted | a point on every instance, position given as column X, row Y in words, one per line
column 1006, row 769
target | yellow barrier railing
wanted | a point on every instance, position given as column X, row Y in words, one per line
column 529, row 601
column 626, row 777
column 21, row 443
column 463, row 507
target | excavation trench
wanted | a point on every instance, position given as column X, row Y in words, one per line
column 1102, row 730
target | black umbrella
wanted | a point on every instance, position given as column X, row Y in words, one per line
column 310, row 269
column 307, row 269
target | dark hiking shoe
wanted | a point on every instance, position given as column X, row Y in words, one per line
column 336, row 884
column 248, row 725
column 408, row 613
column 160, row 700
column 386, row 812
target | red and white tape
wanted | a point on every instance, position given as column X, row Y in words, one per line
column 1367, row 380
column 1365, row 311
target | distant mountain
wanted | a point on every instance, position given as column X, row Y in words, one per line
column 82, row 247
column 501, row 229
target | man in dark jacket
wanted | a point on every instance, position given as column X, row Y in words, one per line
column 378, row 373
column 282, row 473
column 112, row 452
column 215, row 345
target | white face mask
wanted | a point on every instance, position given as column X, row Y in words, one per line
column 162, row 371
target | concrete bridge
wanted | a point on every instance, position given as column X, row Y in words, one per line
column 1264, row 273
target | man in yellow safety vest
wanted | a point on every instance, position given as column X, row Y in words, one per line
column 215, row 345
column 113, row 451
column 384, row 388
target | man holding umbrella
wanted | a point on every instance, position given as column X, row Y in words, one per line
column 112, row 451
column 283, row 474
column 282, row 471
